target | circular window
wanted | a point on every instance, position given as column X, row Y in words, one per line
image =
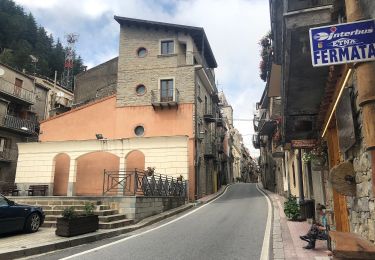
column 139, row 130
column 142, row 52
column 140, row 90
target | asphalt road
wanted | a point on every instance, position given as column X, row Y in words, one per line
column 231, row 227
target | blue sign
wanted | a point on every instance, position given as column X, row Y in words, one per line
column 343, row 43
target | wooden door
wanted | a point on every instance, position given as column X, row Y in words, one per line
column 339, row 200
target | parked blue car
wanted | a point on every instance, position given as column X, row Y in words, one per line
column 16, row 217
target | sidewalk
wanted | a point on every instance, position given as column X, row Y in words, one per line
column 286, row 243
column 45, row 240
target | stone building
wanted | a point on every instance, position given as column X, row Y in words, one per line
column 164, row 87
column 327, row 123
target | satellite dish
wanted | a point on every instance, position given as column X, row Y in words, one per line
column 1, row 72
column 342, row 178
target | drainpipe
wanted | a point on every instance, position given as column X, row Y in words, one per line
column 300, row 177
column 366, row 80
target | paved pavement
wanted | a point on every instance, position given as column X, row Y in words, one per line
column 286, row 243
column 230, row 227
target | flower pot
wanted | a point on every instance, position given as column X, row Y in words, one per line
column 76, row 226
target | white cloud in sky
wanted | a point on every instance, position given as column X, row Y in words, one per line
column 233, row 29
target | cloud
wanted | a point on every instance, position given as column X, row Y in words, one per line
column 232, row 27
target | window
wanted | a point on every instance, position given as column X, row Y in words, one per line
column 17, row 86
column 140, row 90
column 166, row 90
column 139, row 130
column 142, row 52
column 167, row 47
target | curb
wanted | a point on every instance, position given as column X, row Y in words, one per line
column 89, row 238
column 266, row 193
column 217, row 194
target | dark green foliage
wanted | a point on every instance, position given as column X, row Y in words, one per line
column 265, row 53
column 21, row 37
column 69, row 213
column 291, row 208
column 89, row 208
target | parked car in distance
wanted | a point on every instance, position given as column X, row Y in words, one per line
column 16, row 217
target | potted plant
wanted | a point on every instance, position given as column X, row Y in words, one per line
column 73, row 224
column 291, row 208
column 150, row 171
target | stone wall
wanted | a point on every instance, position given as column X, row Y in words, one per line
column 361, row 207
column 98, row 82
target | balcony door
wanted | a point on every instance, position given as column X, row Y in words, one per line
column 166, row 90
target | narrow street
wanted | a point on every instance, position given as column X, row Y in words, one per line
column 231, row 227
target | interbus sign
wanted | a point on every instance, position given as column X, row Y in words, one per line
column 343, row 43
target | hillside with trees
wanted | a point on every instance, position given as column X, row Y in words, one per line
column 20, row 37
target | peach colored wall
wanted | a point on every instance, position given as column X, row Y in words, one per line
column 61, row 177
column 135, row 160
column 90, row 168
column 115, row 123
column 118, row 122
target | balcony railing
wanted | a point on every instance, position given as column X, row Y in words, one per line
column 256, row 141
column 210, row 150
column 20, row 124
column 17, row 92
column 8, row 155
column 159, row 100
column 295, row 5
column 208, row 115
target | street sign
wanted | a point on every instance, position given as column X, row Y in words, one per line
column 304, row 144
column 343, row 43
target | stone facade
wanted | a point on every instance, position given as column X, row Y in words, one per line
column 362, row 206
column 98, row 82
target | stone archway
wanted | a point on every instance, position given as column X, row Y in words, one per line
column 61, row 174
column 135, row 160
column 90, row 170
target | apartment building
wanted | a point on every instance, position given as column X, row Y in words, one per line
column 163, row 97
column 18, row 123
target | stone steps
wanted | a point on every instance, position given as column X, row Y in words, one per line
column 115, row 224
column 111, row 218
column 53, row 209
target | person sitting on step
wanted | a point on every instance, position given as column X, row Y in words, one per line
column 317, row 229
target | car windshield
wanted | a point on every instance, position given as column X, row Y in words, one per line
column 3, row 201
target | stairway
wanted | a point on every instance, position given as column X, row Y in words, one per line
column 108, row 218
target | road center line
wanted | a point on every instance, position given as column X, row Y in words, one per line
column 145, row 232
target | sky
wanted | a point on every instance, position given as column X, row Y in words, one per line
column 233, row 28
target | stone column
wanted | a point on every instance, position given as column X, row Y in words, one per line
column 72, row 178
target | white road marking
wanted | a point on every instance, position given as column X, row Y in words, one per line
column 267, row 233
column 145, row 232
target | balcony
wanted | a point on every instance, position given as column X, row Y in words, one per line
column 8, row 155
column 17, row 93
column 256, row 141
column 210, row 150
column 20, row 125
column 164, row 101
column 306, row 4
column 267, row 126
column 208, row 115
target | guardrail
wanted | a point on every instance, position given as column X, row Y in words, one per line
column 19, row 124
column 21, row 93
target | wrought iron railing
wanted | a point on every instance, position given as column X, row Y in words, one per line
column 8, row 154
column 294, row 5
column 21, row 93
column 157, row 97
column 138, row 183
column 20, row 124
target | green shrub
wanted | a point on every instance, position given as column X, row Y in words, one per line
column 69, row 213
column 89, row 208
column 291, row 208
